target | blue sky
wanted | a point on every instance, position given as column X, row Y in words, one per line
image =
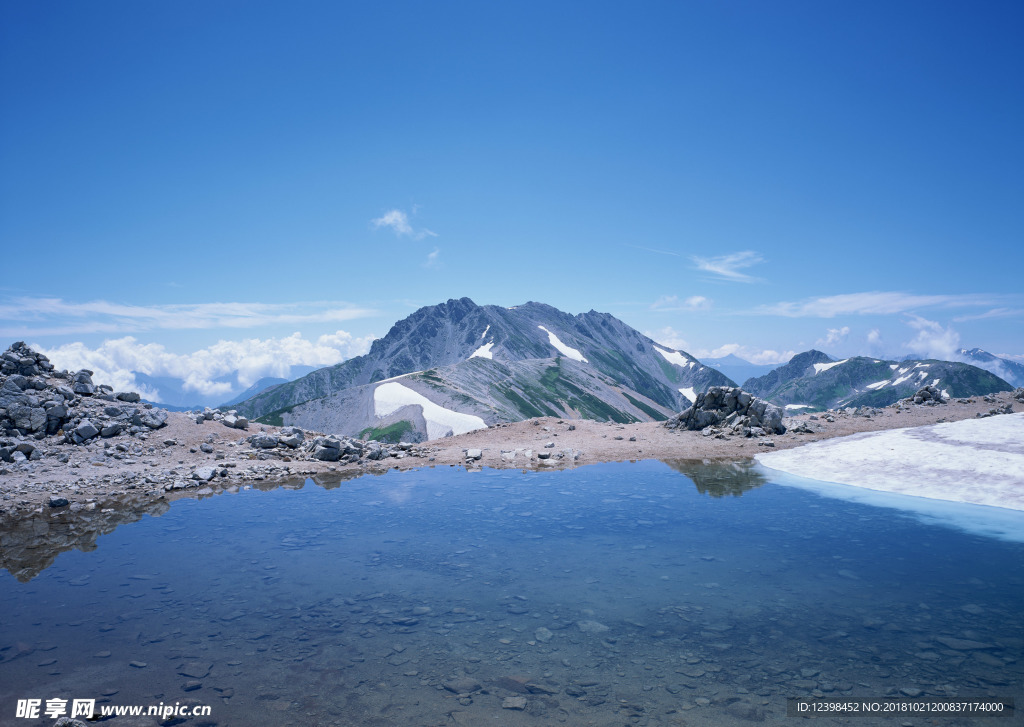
column 760, row 178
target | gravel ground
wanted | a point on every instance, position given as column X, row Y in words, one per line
column 160, row 464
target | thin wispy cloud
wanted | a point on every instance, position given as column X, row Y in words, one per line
column 994, row 313
column 26, row 317
column 673, row 303
column 871, row 303
column 398, row 222
column 651, row 249
column 728, row 267
column 433, row 258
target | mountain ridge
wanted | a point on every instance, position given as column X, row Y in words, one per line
column 644, row 379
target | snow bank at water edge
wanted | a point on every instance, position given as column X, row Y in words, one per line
column 977, row 461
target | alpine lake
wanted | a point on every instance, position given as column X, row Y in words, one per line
column 646, row 593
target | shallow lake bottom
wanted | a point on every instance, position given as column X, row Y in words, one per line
column 685, row 593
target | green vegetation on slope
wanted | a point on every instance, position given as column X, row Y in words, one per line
column 274, row 418
column 649, row 411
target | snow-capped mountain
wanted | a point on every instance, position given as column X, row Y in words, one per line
column 1007, row 369
column 459, row 365
column 813, row 381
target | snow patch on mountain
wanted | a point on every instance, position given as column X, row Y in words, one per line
column 483, row 352
column 819, row 367
column 567, row 351
column 484, row 334
column 389, row 398
column 674, row 357
column 690, row 394
column 878, row 384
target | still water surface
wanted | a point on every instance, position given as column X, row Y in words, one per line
column 618, row 594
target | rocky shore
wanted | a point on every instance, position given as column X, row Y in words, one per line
column 69, row 444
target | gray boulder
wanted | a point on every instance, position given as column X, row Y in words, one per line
column 234, row 421
column 326, row 449
column 86, row 430
column 28, row 418
column 262, row 440
column 204, row 474
column 81, row 383
column 152, row 418
column 129, row 396
column 291, row 437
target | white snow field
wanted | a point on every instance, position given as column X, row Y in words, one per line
column 968, row 473
column 389, row 398
column 690, row 394
column 819, row 367
column 483, row 352
column 567, row 351
column 674, row 357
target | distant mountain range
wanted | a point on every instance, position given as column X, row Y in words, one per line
column 1007, row 369
column 174, row 395
column 458, row 366
column 738, row 369
column 813, row 381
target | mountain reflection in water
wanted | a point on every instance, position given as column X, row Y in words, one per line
column 30, row 545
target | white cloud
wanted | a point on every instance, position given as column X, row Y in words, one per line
column 874, row 336
column 753, row 355
column 27, row 317
column 728, row 267
column 672, row 303
column 671, row 338
column 398, row 221
column 115, row 361
column 833, row 336
column 668, row 336
column 432, row 258
column 933, row 340
column 874, row 302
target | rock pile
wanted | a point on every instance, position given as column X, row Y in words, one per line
column 37, row 402
column 231, row 419
column 1018, row 394
column 727, row 409
column 929, row 396
column 303, row 445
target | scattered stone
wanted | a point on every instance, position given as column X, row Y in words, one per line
column 204, row 474
column 462, row 685
column 514, row 703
